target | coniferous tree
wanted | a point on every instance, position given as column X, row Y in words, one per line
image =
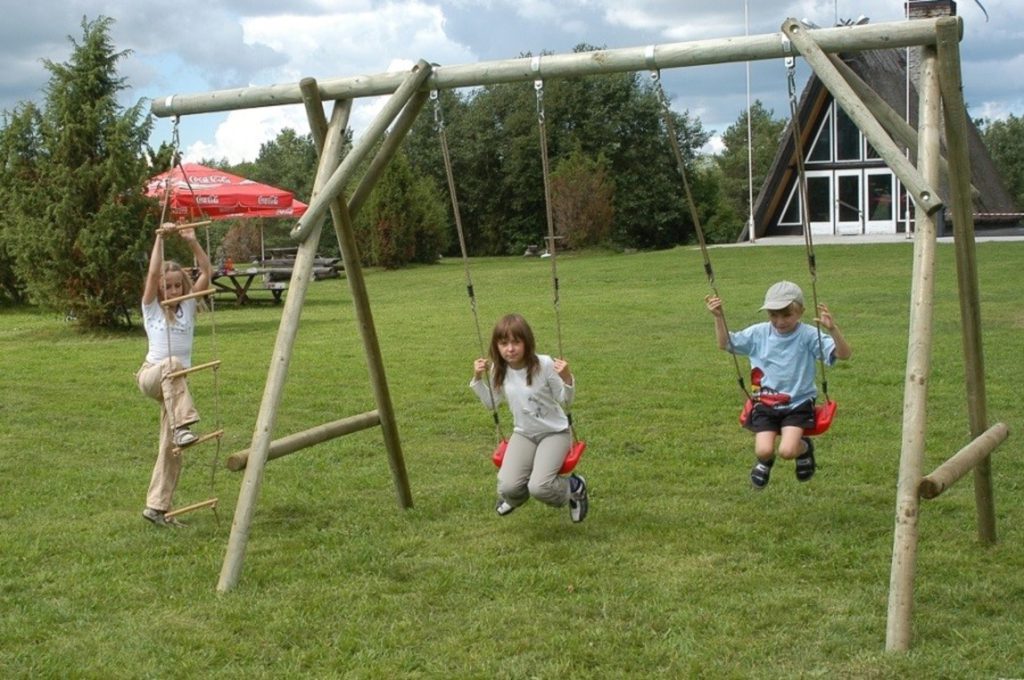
column 403, row 220
column 77, row 230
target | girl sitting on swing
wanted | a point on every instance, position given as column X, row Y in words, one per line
column 535, row 387
column 782, row 354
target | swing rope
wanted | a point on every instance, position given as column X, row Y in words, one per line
column 443, row 135
column 673, row 138
column 798, row 149
column 538, row 86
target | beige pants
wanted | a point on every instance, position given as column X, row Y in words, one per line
column 530, row 468
column 176, row 410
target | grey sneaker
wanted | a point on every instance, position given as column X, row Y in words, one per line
column 578, row 502
column 154, row 516
column 503, row 508
column 184, row 436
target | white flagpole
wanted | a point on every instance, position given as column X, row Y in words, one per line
column 750, row 141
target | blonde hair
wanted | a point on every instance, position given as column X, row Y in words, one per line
column 186, row 285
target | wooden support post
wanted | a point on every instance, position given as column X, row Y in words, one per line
column 923, row 192
column 948, row 46
column 212, row 503
column 880, row 36
column 963, row 461
column 334, row 187
column 193, row 369
column 918, row 372
column 357, row 286
column 306, row 438
column 277, row 373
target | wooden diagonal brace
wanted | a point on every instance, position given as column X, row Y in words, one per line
column 924, row 195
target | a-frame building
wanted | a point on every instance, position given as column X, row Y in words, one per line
column 850, row 189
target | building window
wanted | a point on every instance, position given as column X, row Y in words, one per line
column 848, row 139
column 819, row 199
column 821, row 151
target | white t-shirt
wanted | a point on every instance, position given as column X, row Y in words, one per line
column 181, row 332
column 537, row 408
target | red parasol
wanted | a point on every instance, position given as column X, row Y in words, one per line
column 207, row 193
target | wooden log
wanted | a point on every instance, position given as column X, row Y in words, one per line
column 962, row 462
column 216, row 434
column 333, row 188
column 955, row 118
column 194, row 294
column 891, row 120
column 918, row 373
column 211, row 503
column 880, row 36
column 277, row 373
column 302, row 440
column 192, row 369
column 170, row 227
column 387, row 150
column 923, row 192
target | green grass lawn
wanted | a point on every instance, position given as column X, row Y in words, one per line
column 680, row 570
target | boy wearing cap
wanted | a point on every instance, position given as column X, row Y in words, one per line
column 782, row 353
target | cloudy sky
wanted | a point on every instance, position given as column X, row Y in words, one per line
column 194, row 46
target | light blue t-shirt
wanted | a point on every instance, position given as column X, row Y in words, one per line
column 782, row 367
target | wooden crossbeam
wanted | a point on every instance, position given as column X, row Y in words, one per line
column 203, row 438
column 211, row 503
column 199, row 367
column 194, row 294
column 306, row 438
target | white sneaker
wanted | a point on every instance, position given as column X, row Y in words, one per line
column 578, row 502
column 184, row 436
column 503, row 508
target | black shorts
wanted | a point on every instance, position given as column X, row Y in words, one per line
column 767, row 419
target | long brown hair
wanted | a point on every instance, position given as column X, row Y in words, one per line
column 513, row 326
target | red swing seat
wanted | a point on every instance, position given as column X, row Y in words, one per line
column 823, row 415
column 571, row 458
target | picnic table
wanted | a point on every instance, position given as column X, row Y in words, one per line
column 239, row 282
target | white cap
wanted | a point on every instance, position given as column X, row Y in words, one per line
column 782, row 295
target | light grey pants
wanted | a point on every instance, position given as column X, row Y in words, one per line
column 176, row 410
column 530, row 468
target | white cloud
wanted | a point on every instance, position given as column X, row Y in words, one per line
column 242, row 132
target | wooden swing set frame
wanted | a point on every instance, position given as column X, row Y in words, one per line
column 941, row 106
